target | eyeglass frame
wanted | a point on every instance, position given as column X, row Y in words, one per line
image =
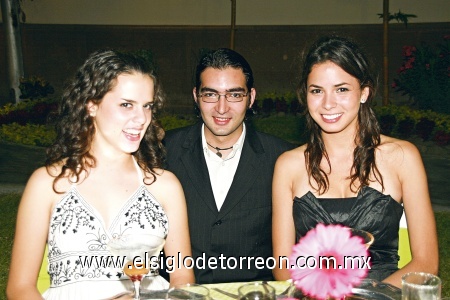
column 200, row 95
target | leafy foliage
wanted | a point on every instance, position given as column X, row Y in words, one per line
column 35, row 88
column 288, row 127
column 399, row 17
column 403, row 121
column 172, row 122
column 270, row 103
column 28, row 122
column 28, row 112
column 425, row 76
column 28, row 134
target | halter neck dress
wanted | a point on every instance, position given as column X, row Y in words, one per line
column 77, row 235
column 370, row 210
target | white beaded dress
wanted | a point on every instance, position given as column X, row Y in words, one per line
column 78, row 262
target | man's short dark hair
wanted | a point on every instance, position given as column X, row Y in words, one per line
column 224, row 58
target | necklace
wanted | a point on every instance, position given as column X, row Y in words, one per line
column 219, row 149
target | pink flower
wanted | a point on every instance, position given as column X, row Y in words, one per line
column 408, row 51
column 336, row 279
column 409, row 63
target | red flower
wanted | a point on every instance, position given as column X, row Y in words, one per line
column 408, row 65
column 408, row 51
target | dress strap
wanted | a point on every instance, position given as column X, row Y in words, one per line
column 139, row 171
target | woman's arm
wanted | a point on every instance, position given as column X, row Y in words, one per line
column 30, row 237
column 419, row 215
column 283, row 230
column 178, row 239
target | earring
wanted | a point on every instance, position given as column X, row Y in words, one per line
column 91, row 109
column 363, row 100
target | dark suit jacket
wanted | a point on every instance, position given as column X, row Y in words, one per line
column 242, row 228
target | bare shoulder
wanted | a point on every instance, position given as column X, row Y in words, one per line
column 396, row 150
column 42, row 177
column 165, row 177
column 53, row 171
column 40, row 184
column 166, row 183
column 293, row 158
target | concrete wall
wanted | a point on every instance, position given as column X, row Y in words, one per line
column 217, row 12
column 55, row 51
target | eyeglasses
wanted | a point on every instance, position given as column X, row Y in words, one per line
column 211, row 97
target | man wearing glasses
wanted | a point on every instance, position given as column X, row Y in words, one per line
column 225, row 168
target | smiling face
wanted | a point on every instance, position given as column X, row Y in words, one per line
column 334, row 97
column 223, row 120
column 124, row 114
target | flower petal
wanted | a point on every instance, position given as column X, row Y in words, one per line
column 326, row 252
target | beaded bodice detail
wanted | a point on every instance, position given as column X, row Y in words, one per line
column 77, row 237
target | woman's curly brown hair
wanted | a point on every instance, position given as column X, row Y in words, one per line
column 75, row 127
column 347, row 55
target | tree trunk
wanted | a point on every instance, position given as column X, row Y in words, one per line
column 11, row 24
column 233, row 23
column 385, row 52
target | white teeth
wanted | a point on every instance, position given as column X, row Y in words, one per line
column 132, row 132
column 331, row 117
column 222, row 119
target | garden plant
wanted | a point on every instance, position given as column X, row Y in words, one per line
column 424, row 76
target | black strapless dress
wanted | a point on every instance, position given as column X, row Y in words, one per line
column 371, row 211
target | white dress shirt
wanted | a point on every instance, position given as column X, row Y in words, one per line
column 222, row 169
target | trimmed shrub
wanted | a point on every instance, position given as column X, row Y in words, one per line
column 387, row 123
column 424, row 128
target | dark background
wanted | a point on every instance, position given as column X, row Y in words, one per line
column 54, row 52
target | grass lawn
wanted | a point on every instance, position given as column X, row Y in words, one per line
column 8, row 212
column 443, row 225
column 17, row 162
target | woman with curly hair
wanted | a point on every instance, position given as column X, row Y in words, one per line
column 103, row 179
column 348, row 173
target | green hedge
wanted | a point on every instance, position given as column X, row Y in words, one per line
column 28, row 112
column 27, row 122
column 402, row 122
column 28, row 134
